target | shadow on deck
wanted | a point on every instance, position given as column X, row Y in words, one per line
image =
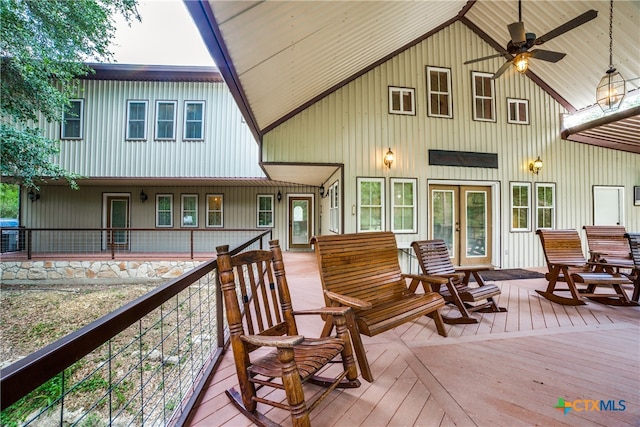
column 510, row 369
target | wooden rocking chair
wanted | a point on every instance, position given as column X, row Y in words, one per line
column 434, row 260
column 260, row 314
column 608, row 245
column 634, row 246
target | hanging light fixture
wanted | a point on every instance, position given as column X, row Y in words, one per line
column 612, row 87
column 522, row 62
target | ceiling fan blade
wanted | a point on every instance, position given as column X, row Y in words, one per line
column 567, row 26
column 497, row 55
column 518, row 35
column 547, row 55
column 501, row 70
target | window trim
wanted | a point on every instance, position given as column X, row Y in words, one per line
column 80, row 119
column 128, row 137
column 258, row 211
column 158, row 196
column 184, row 122
column 207, row 211
column 517, row 120
column 414, row 225
column 449, row 92
column 474, row 97
column 553, row 208
column 402, row 91
column 157, row 119
column 359, row 181
column 182, row 210
column 512, row 185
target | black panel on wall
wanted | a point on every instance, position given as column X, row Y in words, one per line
column 463, row 158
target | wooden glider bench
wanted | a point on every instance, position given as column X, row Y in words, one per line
column 566, row 263
column 362, row 271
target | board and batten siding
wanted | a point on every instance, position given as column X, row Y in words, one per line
column 352, row 126
column 228, row 149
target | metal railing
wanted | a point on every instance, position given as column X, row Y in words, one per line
column 143, row 364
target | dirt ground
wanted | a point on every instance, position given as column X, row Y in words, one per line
column 33, row 316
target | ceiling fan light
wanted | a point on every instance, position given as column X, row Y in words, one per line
column 522, row 63
column 611, row 91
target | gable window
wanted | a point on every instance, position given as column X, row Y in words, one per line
column 215, row 210
column 334, row 208
column 370, row 204
column 189, row 210
column 439, row 103
column 137, row 120
column 193, row 120
column 72, row 119
column 165, row 120
column 520, row 206
column 483, row 97
column 402, row 100
column 164, row 210
column 545, row 205
column 265, row 210
column 404, row 217
column 518, row 111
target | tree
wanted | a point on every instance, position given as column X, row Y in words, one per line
column 44, row 45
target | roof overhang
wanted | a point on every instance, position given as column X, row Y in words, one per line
column 619, row 131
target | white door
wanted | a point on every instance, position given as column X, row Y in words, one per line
column 608, row 204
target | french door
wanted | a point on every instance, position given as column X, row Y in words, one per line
column 461, row 216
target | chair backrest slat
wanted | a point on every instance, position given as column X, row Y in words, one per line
column 608, row 240
column 634, row 246
column 561, row 247
column 434, row 257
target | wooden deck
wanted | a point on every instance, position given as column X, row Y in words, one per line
column 508, row 370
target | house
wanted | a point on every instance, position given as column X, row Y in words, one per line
column 374, row 104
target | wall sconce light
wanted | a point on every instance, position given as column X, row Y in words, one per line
column 321, row 190
column 535, row 166
column 389, row 158
column 279, row 196
column 143, row 196
column 33, row 196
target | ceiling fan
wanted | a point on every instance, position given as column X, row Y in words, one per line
column 517, row 50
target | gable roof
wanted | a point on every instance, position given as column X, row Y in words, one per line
column 279, row 57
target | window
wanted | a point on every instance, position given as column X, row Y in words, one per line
column 545, row 205
column 164, row 210
column 483, row 98
column 334, row 207
column 194, row 120
column 137, row 120
column 370, row 204
column 439, row 102
column 404, row 218
column 520, row 206
column 265, row 210
column 165, row 120
column 402, row 101
column 189, row 210
column 214, row 210
column 518, row 111
column 72, row 120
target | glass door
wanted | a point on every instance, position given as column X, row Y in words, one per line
column 118, row 217
column 299, row 222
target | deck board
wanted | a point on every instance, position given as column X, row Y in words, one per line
column 507, row 370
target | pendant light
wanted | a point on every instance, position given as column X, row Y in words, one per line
column 612, row 87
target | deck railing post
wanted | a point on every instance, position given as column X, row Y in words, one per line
column 191, row 242
column 29, row 244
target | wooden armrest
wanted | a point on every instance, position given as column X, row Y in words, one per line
column 348, row 301
column 472, row 268
column 270, row 341
column 441, row 280
column 598, row 252
column 333, row 311
column 604, row 263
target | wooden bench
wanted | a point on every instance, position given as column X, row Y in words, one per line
column 607, row 244
column 634, row 276
column 566, row 263
column 362, row 271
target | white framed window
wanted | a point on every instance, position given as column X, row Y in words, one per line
column 404, row 215
column 402, row 100
column 215, row 210
column 334, row 207
column 518, row 111
column 72, row 120
column 164, row 210
column 545, row 205
column 370, row 204
column 265, row 211
column 520, row 206
column 483, row 97
column 189, row 209
column 193, row 120
column 137, row 120
column 439, row 99
column 166, row 120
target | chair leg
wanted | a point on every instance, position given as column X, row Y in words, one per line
column 348, row 362
column 293, row 389
column 358, row 347
column 437, row 319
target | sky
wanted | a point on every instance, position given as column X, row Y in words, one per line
column 166, row 36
